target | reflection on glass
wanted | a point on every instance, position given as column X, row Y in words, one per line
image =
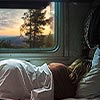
column 27, row 28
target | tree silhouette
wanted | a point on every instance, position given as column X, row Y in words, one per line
column 5, row 44
column 49, row 41
column 34, row 20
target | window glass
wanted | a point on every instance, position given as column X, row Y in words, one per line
column 27, row 28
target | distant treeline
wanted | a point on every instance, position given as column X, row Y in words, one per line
column 41, row 41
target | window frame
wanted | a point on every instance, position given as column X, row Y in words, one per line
column 60, row 49
column 33, row 50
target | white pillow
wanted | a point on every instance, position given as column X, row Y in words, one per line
column 89, row 86
column 96, row 59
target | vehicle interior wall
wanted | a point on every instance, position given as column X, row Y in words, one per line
column 78, row 12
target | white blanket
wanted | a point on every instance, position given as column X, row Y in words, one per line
column 21, row 79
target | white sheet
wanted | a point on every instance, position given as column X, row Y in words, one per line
column 20, row 79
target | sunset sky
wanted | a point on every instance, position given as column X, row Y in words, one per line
column 10, row 21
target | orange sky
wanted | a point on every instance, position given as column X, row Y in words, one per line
column 16, row 32
column 10, row 22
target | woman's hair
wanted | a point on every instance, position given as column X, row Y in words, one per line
column 78, row 69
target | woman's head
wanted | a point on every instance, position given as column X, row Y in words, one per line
column 78, row 69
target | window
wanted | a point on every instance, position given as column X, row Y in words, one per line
column 58, row 31
column 25, row 30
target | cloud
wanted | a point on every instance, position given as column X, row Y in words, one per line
column 10, row 18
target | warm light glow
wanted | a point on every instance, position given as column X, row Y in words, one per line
column 10, row 32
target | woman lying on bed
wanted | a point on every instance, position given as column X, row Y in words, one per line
column 20, row 79
column 67, row 78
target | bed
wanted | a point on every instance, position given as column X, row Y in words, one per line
column 21, row 73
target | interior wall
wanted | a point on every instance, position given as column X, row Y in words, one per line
column 96, row 3
column 77, row 15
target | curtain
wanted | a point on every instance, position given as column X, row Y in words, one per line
column 92, row 27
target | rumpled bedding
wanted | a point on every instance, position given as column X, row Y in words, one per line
column 20, row 79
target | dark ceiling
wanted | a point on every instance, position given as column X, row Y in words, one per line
column 37, row 4
column 80, row 0
column 23, row 4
